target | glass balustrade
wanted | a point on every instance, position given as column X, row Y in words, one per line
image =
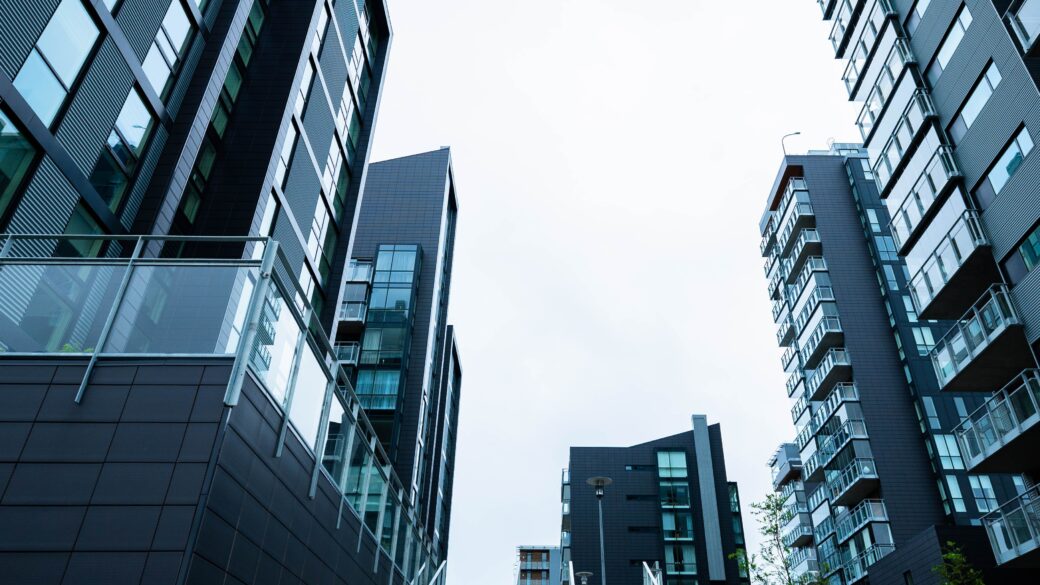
column 938, row 173
column 1014, row 528
column 972, row 334
column 1007, row 414
column 953, row 250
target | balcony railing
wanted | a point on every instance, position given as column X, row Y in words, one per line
column 785, row 332
column 819, row 382
column 800, row 555
column 800, row 216
column 817, row 497
column 856, row 568
column 819, row 294
column 808, row 242
column 898, row 57
column 359, row 271
column 353, row 311
column 841, row 394
column 891, row 158
column 789, row 354
column 347, row 353
column 806, row 434
column 812, row 265
column 141, row 301
column 790, row 488
column 840, row 483
column 973, row 334
column 946, row 259
column 859, row 516
column 1025, row 21
column 774, row 287
column 874, row 25
column 768, row 237
column 823, row 529
column 936, row 176
column 799, row 407
column 1014, row 528
column 797, row 536
column 791, row 190
column 778, row 309
column 828, row 330
column 793, row 381
column 842, row 20
column 1006, row 416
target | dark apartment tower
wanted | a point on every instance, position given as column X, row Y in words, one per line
column 874, row 469
column 393, row 330
column 670, row 508
column 171, row 409
column 949, row 121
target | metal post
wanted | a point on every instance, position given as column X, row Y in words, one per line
column 103, row 337
column 252, row 324
column 602, row 556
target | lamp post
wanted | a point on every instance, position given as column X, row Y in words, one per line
column 599, row 483
column 783, row 145
column 584, row 576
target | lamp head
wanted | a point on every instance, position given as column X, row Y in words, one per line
column 584, row 576
column 599, row 483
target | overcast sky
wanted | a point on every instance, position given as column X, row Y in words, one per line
column 612, row 158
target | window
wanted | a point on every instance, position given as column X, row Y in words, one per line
column 16, row 158
column 305, row 88
column 164, row 56
column 285, row 156
column 924, row 340
column 319, row 34
column 53, row 65
column 977, row 99
column 677, row 525
column 955, row 494
column 916, row 15
column 1004, row 167
column 671, row 464
column 982, row 490
column 734, row 499
column 962, row 410
column 1020, row 484
column 949, row 452
column 115, row 168
column 911, row 310
column 949, row 44
column 890, row 277
column 81, row 222
column 1023, row 258
column 933, row 415
column 680, row 559
column 251, row 33
column 738, row 530
column 886, row 248
column 675, row 494
column 1026, row 22
column 875, row 225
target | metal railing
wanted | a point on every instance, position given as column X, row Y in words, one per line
column 801, row 209
column 142, row 298
column 842, row 20
column 818, row 295
column 796, row 378
column 1014, row 528
column 806, row 237
column 784, row 332
column 891, row 158
column 836, row 356
column 347, row 353
column 875, row 22
column 898, row 57
column 812, row 264
column 840, row 481
column 1005, row 415
column 826, row 326
column 937, row 173
column 953, row 250
column 840, row 394
column 973, row 333
column 859, row 516
column 352, row 311
column 788, row 356
column 856, row 568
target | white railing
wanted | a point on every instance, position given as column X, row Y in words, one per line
column 973, row 333
column 1005, row 415
column 953, row 250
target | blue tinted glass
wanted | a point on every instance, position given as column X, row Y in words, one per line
column 156, row 69
column 134, row 121
column 177, row 25
column 67, row 39
column 40, row 88
column 16, row 154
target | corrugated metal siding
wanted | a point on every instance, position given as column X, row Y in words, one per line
column 347, row 20
column 144, row 177
column 140, row 20
column 95, row 107
column 334, row 66
column 1026, row 295
column 47, row 203
column 22, row 24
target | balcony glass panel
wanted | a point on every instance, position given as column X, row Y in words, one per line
column 910, row 123
column 953, row 250
column 838, row 482
column 937, row 174
column 835, row 357
column 864, row 45
column 829, row 328
column 1026, row 22
column 972, row 334
column 898, row 57
column 352, row 311
column 348, row 352
column 1010, row 411
column 854, row 519
column 1014, row 529
column 856, row 569
column 842, row 19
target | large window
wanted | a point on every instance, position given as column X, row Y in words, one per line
column 671, row 464
column 916, row 15
column 1026, row 22
column 53, row 65
column 1004, row 168
column 164, row 57
column 949, row 44
column 1024, row 258
column 982, row 490
column 16, row 157
column 677, row 525
column 949, row 452
column 114, row 170
column 977, row 100
column 680, row 559
column 675, row 494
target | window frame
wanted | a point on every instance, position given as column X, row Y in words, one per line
column 955, row 27
column 983, row 81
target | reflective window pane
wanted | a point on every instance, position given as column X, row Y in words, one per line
column 16, row 155
column 308, row 397
column 135, row 121
column 67, row 39
column 156, row 69
column 40, row 88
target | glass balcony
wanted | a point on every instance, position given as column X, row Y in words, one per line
column 824, row 529
column 794, row 381
column 827, row 334
column 812, row 265
column 858, row 64
column 955, row 273
column 359, row 271
column 856, row 569
column 817, row 497
column 776, row 283
column 892, row 159
column 898, row 57
column 806, row 434
column 785, row 467
column 934, row 182
column 833, row 368
column 353, row 311
column 812, row 470
column 799, row 535
column 808, row 244
column 848, row 431
column 849, row 485
column 788, row 357
column 1025, row 21
column 1014, row 530
column 785, row 332
column 778, row 309
column 347, row 353
column 769, row 237
column 859, row 516
column 842, row 26
column 987, row 344
column 841, row 394
column 819, row 294
column 801, row 216
column 769, row 264
column 1004, row 432
column 147, row 303
column 802, row 561
column 790, row 488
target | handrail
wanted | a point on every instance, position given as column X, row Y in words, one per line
column 962, row 239
column 973, row 333
column 1011, row 409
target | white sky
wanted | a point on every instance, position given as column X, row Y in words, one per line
column 612, row 160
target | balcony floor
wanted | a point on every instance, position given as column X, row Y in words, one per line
column 1004, row 357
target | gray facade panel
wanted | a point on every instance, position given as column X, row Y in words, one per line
column 22, row 25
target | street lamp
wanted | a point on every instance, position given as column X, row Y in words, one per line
column 783, row 145
column 584, row 576
column 599, row 483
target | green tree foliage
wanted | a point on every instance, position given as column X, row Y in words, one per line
column 770, row 566
column 955, row 568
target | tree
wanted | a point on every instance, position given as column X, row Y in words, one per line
column 955, row 568
column 770, row 566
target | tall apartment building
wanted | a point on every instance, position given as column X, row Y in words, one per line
column 173, row 411
column 393, row 329
column 949, row 92
column 874, row 478
column 670, row 506
column 538, row 565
